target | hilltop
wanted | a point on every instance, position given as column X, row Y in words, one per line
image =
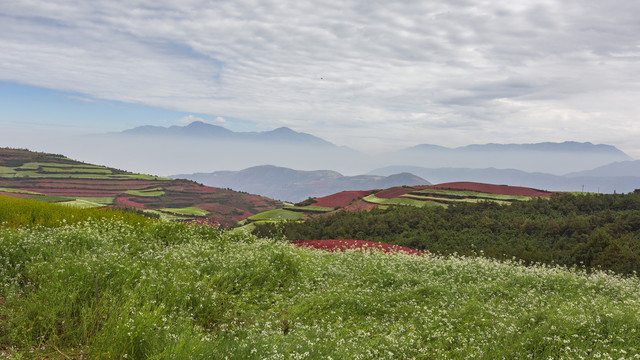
column 56, row 178
column 296, row 185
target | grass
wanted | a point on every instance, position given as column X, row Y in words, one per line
column 6, row 171
column 277, row 215
column 445, row 200
column 23, row 212
column 174, row 291
column 18, row 191
column 400, row 201
column 471, row 194
column 188, row 211
column 80, row 203
column 40, row 170
column 155, row 192
column 311, row 208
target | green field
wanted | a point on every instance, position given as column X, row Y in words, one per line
column 39, row 170
column 24, row 212
column 190, row 292
column 18, row 191
column 80, row 203
column 188, row 211
column 448, row 200
column 277, row 215
column 471, row 194
column 147, row 192
column 311, row 209
column 401, row 201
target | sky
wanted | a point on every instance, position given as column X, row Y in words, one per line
column 372, row 75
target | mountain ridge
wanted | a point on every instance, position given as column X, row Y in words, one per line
column 296, row 185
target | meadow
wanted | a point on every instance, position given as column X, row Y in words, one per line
column 144, row 289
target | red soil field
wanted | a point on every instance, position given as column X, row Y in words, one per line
column 15, row 195
column 127, row 202
column 79, row 192
column 333, row 245
column 492, row 189
column 340, row 199
column 394, row 192
column 360, row 205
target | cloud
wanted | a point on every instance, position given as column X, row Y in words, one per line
column 345, row 69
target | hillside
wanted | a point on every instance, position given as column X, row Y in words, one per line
column 296, row 185
column 421, row 196
column 55, row 178
column 620, row 177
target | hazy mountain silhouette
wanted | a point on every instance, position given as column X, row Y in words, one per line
column 199, row 129
column 622, row 168
column 199, row 147
column 295, row 185
column 547, row 157
column 542, row 181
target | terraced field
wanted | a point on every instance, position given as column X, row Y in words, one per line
column 57, row 179
column 441, row 195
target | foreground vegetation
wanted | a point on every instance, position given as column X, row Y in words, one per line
column 22, row 212
column 111, row 289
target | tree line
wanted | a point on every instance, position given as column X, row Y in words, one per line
column 590, row 230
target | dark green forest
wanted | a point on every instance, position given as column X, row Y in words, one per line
column 584, row 230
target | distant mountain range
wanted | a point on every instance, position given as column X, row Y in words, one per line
column 555, row 158
column 295, row 185
column 200, row 146
column 621, row 177
column 199, row 129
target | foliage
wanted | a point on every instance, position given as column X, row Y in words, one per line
column 307, row 202
column 311, row 209
column 401, row 201
column 177, row 291
column 593, row 230
column 23, row 212
column 277, row 215
column 190, row 210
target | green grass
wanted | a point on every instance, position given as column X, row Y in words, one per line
column 400, row 201
column 39, row 170
column 442, row 199
column 472, row 194
column 83, row 204
column 155, row 192
column 51, row 198
column 103, row 200
column 189, row 211
column 190, row 292
column 75, row 170
column 18, row 191
column 37, row 165
column 311, row 208
column 277, row 215
column 6, row 171
column 23, row 212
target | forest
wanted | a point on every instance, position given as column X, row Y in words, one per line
column 594, row 231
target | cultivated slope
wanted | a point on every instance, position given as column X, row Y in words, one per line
column 55, row 178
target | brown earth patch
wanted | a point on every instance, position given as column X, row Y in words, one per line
column 344, row 244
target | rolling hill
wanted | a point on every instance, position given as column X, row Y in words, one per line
column 56, row 178
column 296, row 185
column 620, row 177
